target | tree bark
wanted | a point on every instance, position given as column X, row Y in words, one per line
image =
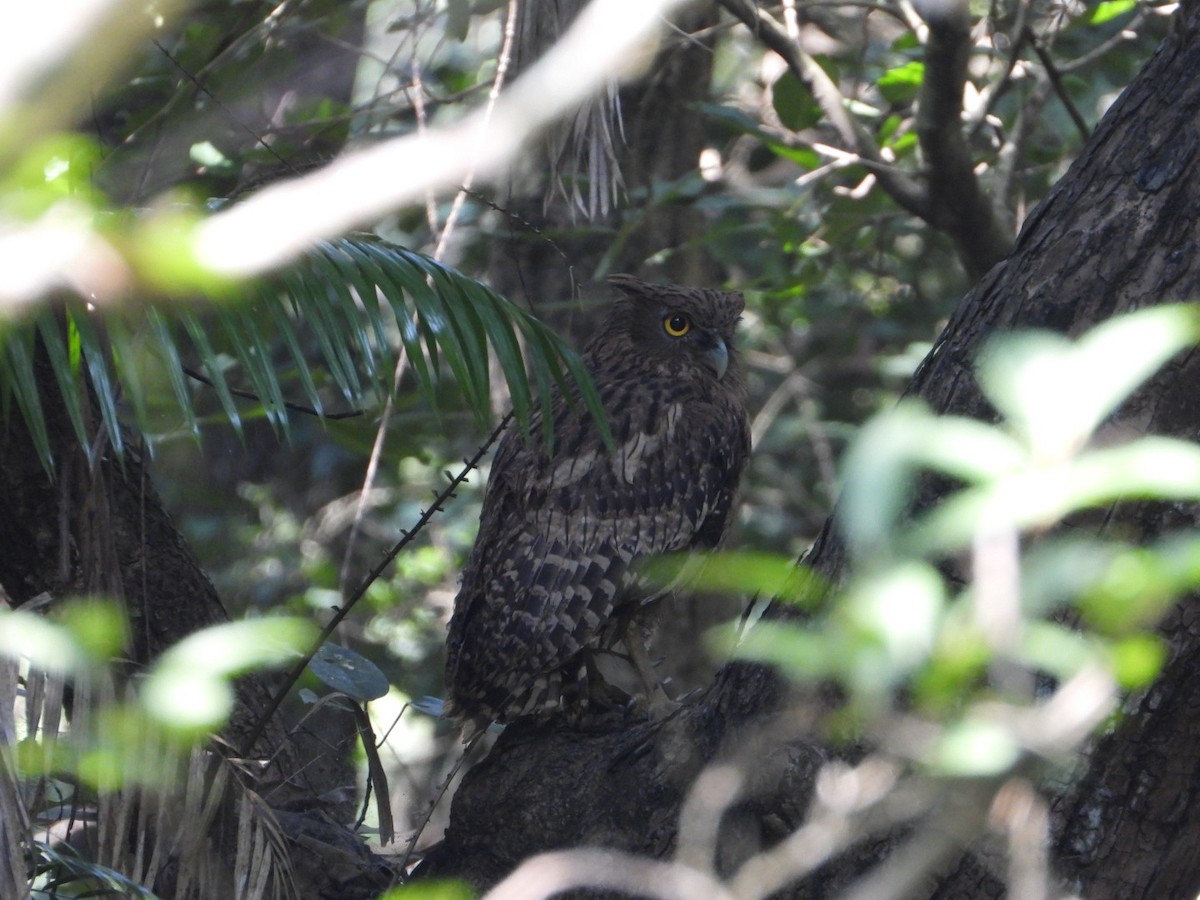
column 1117, row 233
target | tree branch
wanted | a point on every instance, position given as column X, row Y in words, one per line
column 906, row 192
column 957, row 205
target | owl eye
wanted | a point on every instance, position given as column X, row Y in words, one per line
column 677, row 325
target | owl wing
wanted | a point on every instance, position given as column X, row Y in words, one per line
column 560, row 530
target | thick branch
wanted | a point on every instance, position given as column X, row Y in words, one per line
column 957, row 205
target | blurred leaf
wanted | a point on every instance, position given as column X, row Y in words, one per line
column 1054, row 648
column 430, row 890
column 1107, row 10
column 26, row 635
column 798, row 652
column 736, row 574
column 188, row 688
column 1151, row 468
column 458, row 19
column 794, row 105
column 882, row 462
column 1137, row 660
column 98, row 627
column 898, row 610
column 1133, row 588
column 902, row 83
column 1056, row 393
column 344, row 670
column 974, row 748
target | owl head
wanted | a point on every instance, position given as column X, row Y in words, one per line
column 682, row 327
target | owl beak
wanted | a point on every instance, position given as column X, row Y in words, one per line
column 717, row 356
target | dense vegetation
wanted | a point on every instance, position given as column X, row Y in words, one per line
column 298, row 393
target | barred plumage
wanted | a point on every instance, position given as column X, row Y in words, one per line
column 549, row 576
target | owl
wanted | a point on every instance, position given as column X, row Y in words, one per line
column 552, row 577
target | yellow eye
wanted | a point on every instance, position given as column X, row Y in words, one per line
column 677, row 325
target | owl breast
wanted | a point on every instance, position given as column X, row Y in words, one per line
column 549, row 579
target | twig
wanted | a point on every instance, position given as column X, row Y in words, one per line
column 440, row 499
column 1060, row 89
column 202, row 88
column 436, row 799
column 294, row 407
column 502, row 64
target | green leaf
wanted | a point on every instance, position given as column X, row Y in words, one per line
column 66, row 374
column 882, row 462
column 188, row 689
column 974, row 748
column 95, row 356
column 1107, row 10
column 20, row 383
column 800, row 653
column 430, row 890
column 1055, row 392
column 737, row 574
column 1137, row 660
column 793, row 103
column 168, row 350
column 903, row 83
column 47, row 646
column 344, row 670
column 1151, row 468
column 212, row 367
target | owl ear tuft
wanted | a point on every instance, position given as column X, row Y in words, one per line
column 631, row 287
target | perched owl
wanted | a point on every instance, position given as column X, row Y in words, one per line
column 549, row 582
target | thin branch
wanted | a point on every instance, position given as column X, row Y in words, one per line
column 440, row 499
column 1060, row 89
column 294, row 407
column 502, row 64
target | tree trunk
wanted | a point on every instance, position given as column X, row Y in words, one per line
column 1118, row 233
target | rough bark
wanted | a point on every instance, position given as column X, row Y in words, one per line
column 1117, row 233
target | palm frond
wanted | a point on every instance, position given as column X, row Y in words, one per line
column 333, row 326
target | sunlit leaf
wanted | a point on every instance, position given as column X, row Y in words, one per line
column 1107, row 10
column 48, row 646
column 1056, row 392
column 430, row 890
column 902, row 83
column 974, row 748
column 188, row 688
column 899, row 609
column 736, row 574
column 888, row 452
column 1150, row 468
column 1137, row 660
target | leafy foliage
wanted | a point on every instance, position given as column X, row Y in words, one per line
column 354, row 301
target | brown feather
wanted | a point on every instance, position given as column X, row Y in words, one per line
column 559, row 530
